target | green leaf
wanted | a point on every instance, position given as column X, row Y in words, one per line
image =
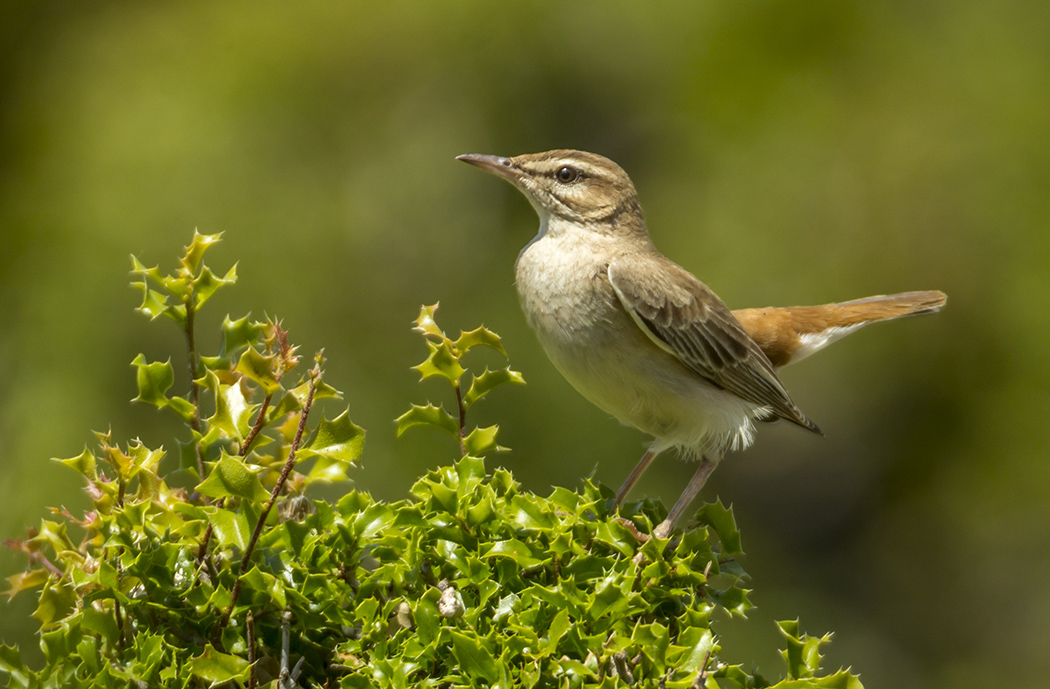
column 207, row 284
column 479, row 336
column 720, row 518
column 481, row 441
column 427, row 416
column 56, row 601
column 23, row 581
column 265, row 584
column 802, row 654
column 195, row 251
column 475, row 660
column 237, row 334
column 153, row 380
column 340, row 440
column 11, row 664
column 259, row 369
column 697, row 646
column 233, row 414
column 442, row 361
column 487, row 381
column 426, row 324
column 217, row 668
column 230, row 477
column 84, row 463
column 231, row 528
column 515, row 550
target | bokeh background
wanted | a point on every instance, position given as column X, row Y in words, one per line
column 787, row 152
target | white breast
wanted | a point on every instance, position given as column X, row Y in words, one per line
column 563, row 284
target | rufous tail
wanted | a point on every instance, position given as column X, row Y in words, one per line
column 791, row 333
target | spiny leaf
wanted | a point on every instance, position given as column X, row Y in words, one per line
column 22, row 581
column 481, row 441
column 84, row 463
column 237, row 334
column 487, row 381
column 233, row 414
column 442, row 361
column 207, row 284
column 720, row 518
column 479, row 336
column 218, row 668
column 259, row 368
column 426, row 324
column 153, row 380
column 474, row 658
column 195, row 251
column 339, row 439
column 231, row 478
column 427, row 416
column 802, row 654
column 231, row 528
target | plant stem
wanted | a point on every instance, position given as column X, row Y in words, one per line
column 315, row 377
column 462, row 419
column 260, row 421
column 191, row 344
column 251, row 650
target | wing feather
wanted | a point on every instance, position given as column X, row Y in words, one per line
column 685, row 318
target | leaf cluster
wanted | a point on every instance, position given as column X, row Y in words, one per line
column 242, row 579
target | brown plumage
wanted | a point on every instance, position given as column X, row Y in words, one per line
column 781, row 331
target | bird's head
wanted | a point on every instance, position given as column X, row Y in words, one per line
column 576, row 186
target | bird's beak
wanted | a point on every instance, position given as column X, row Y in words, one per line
column 497, row 165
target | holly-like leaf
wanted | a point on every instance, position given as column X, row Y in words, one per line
column 487, row 381
column 481, row 441
column 479, row 336
column 426, row 324
column 195, row 251
column 231, row 478
column 56, row 601
column 208, row 283
column 802, row 654
column 237, row 334
column 233, row 414
column 322, row 391
column 154, row 380
column 84, row 463
column 339, row 439
column 720, row 518
column 218, row 668
column 475, row 660
column 260, row 369
column 442, row 361
column 22, row 581
column 143, row 459
column 154, row 303
column 231, row 528
column 427, row 416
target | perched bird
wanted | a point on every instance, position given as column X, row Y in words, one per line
column 641, row 337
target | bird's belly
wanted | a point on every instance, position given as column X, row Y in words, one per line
column 588, row 336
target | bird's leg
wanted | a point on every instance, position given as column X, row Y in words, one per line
column 646, row 460
column 688, row 495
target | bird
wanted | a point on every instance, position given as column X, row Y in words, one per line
column 646, row 341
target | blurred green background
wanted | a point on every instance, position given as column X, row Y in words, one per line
column 786, row 152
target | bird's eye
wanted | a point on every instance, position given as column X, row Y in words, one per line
column 567, row 175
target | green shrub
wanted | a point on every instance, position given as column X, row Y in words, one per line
column 224, row 572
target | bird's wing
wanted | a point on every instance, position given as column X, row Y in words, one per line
column 685, row 318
